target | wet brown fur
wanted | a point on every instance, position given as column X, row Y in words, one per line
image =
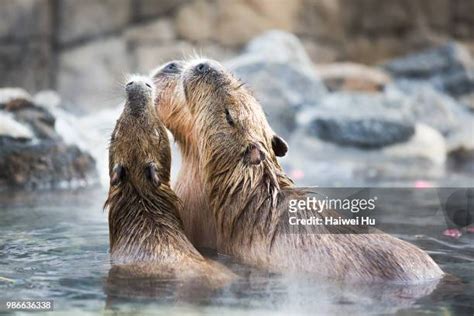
column 250, row 202
column 196, row 212
column 146, row 235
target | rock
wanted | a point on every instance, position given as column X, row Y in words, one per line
column 359, row 120
column 157, row 31
column 463, row 19
column 422, row 156
column 43, row 165
column 32, row 153
column 283, row 90
column 9, row 127
column 442, row 112
column 322, row 53
column 81, row 20
column 147, row 57
column 223, row 20
column 255, row 16
column 199, row 12
column 277, row 46
column 468, row 101
column 48, row 99
column 276, row 67
column 26, row 63
column 144, row 9
column 352, row 77
column 363, row 133
column 10, row 94
column 429, row 106
column 449, row 68
column 25, row 19
column 91, row 74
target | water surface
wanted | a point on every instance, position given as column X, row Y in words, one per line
column 55, row 246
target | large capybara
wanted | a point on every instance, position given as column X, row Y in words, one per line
column 235, row 152
column 146, row 235
column 196, row 212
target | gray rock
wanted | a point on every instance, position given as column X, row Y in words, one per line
column 45, row 165
column 283, row 89
column 144, row 9
column 26, row 64
column 428, row 105
column 366, row 121
column 352, row 77
column 81, row 20
column 276, row 67
column 157, row 31
column 25, row 19
column 362, row 133
column 449, row 68
column 90, row 75
column 278, row 46
column 32, row 154
column 318, row 162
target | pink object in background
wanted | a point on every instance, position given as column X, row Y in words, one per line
column 297, row 174
column 452, row 232
column 420, row 184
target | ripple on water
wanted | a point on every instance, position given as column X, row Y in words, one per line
column 56, row 247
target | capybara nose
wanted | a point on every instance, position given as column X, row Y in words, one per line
column 130, row 83
column 202, row 67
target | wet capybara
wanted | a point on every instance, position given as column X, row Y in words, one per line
column 196, row 212
column 236, row 154
column 146, row 234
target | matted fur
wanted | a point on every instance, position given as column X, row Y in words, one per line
column 196, row 212
column 146, row 235
column 249, row 202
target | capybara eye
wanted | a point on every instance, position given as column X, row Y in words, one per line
column 228, row 117
column 148, row 85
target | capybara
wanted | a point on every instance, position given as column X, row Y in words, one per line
column 146, row 234
column 235, row 152
column 196, row 212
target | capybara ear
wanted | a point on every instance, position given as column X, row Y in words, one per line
column 117, row 175
column 280, row 147
column 152, row 174
column 254, row 155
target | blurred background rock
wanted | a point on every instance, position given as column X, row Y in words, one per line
column 366, row 91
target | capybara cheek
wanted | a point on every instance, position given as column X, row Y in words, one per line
column 253, row 155
column 117, row 175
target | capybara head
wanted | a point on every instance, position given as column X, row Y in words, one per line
column 140, row 94
column 139, row 150
column 174, row 114
column 228, row 119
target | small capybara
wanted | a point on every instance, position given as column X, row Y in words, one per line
column 235, row 152
column 196, row 212
column 146, row 234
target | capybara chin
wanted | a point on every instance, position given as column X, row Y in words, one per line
column 146, row 234
column 196, row 212
column 249, row 192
